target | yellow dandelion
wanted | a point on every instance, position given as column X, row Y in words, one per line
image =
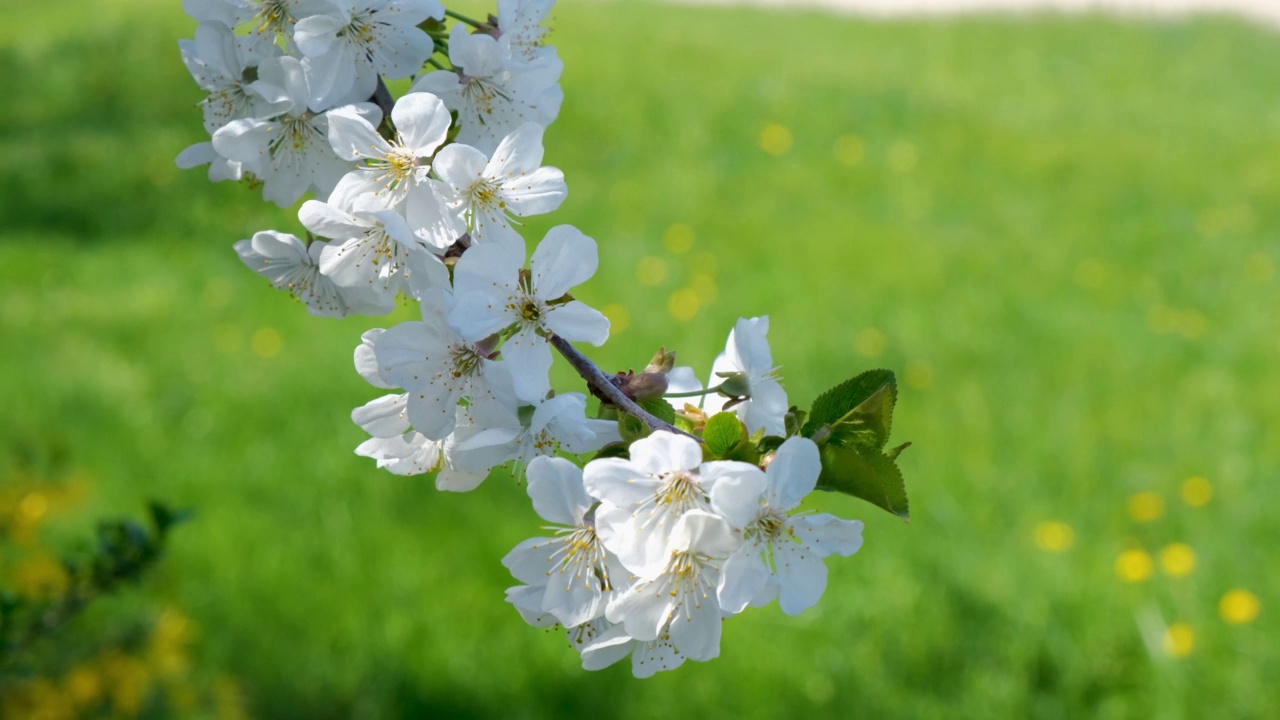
column 1145, row 506
column 870, row 342
column 84, row 686
column 918, row 374
column 705, row 286
column 1162, row 319
column 1053, row 536
column 651, row 271
column 266, row 342
column 1091, row 273
column 1196, row 492
column 1179, row 640
column 1134, row 566
column 618, row 316
column 1177, row 560
column 849, row 150
column 1192, row 324
column 683, row 304
column 775, row 139
column 678, row 239
column 1239, row 606
column 903, row 156
column 1259, row 267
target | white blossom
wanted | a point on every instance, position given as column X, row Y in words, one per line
column 781, row 554
column 679, row 603
column 438, row 367
column 493, row 294
column 642, row 498
column 203, row 153
column 513, row 182
column 217, row 60
column 748, row 360
column 493, row 94
column 354, row 41
column 541, row 429
column 293, row 266
column 290, row 152
column 399, row 168
column 373, row 247
column 576, row 574
column 520, row 29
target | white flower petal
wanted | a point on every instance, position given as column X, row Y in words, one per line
column 793, row 473
column 563, row 259
column 576, row 321
column 557, row 492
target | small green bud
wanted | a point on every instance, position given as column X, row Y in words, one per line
column 662, row 362
column 735, row 385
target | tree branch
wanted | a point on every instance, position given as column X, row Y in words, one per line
column 382, row 98
column 596, row 378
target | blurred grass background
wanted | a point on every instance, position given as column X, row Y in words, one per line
column 1060, row 233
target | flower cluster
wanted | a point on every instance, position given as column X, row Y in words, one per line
column 652, row 552
column 663, row 533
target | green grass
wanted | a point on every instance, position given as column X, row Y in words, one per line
column 1062, row 234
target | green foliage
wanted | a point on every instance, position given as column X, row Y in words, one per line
column 851, row 424
column 123, row 551
column 877, row 390
column 723, row 432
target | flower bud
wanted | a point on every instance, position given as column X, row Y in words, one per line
column 645, row 385
column 735, row 385
column 662, row 362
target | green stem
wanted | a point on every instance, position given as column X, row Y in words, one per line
column 463, row 18
column 694, row 393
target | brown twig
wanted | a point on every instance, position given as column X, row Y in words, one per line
column 596, row 378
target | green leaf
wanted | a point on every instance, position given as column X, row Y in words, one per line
column 631, row 428
column 660, row 409
column 723, row 433
column 837, row 402
column 867, row 425
column 865, row 473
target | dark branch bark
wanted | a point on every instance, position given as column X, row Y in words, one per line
column 596, row 378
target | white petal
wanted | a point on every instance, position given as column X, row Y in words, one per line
column 529, row 360
column 664, row 452
column 642, row 610
column 530, row 561
column 650, row 658
column 353, row 137
column 383, row 417
column 743, row 578
column 826, row 534
column 767, row 408
column 576, row 321
column 367, row 362
column 563, row 259
column 695, row 629
column 705, row 533
column 617, row 481
column 801, row 577
column 555, row 487
column 736, row 490
column 541, row 191
column 423, row 120
column 459, row 166
column 793, row 473
column 330, row 222
column 607, row 649
column 519, row 153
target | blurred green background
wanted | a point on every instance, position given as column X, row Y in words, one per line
column 1061, row 233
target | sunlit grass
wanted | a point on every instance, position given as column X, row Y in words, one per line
column 1060, row 234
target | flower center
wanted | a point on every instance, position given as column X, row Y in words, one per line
column 582, row 555
column 679, row 490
